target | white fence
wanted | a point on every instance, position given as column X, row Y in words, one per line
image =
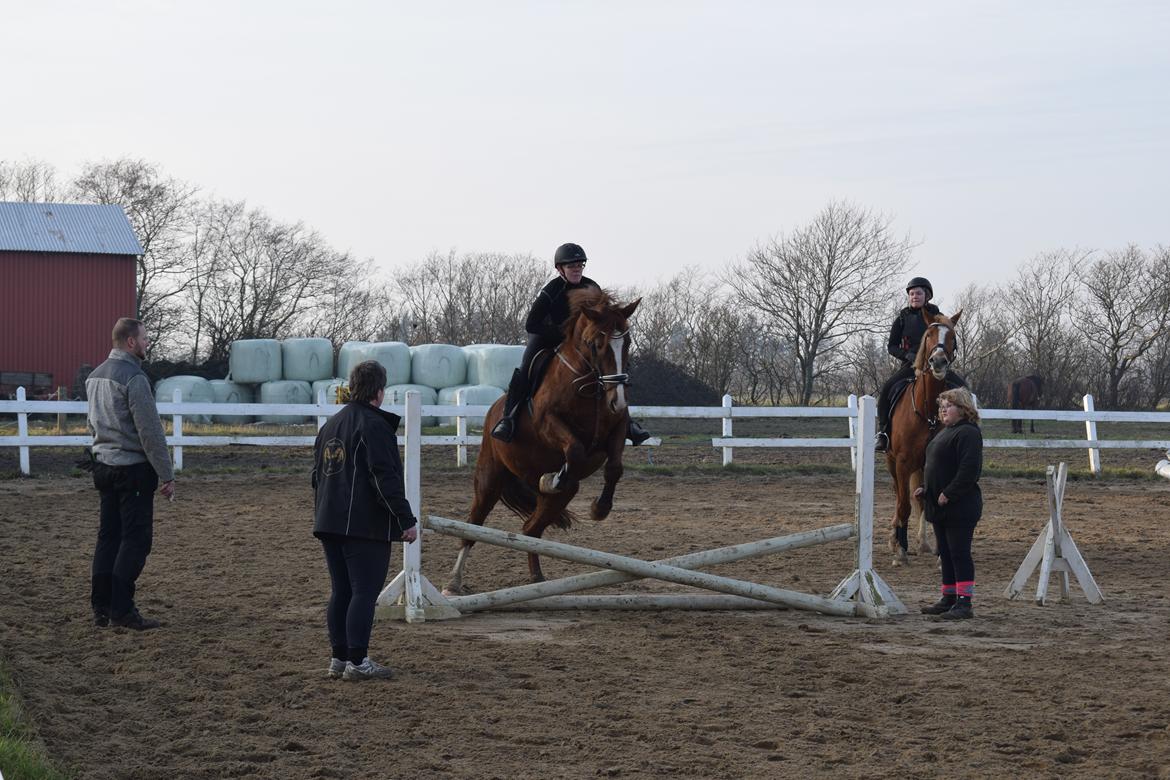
column 727, row 413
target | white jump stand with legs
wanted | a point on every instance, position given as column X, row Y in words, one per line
column 1055, row 552
column 410, row 596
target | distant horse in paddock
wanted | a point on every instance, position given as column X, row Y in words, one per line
column 576, row 422
column 1026, row 393
column 913, row 421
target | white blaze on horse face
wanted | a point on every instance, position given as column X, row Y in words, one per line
column 615, row 344
column 941, row 346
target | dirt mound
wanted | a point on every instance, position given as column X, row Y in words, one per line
column 657, row 382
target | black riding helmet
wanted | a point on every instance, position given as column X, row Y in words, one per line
column 924, row 283
column 569, row 253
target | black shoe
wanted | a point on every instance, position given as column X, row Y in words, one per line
column 135, row 622
column 881, row 442
column 958, row 612
column 636, row 433
column 942, row 605
column 101, row 618
column 505, row 429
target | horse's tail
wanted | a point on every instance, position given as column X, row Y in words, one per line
column 521, row 499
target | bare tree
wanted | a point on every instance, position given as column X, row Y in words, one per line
column 1124, row 311
column 986, row 355
column 818, row 286
column 1039, row 302
column 31, row 181
column 160, row 210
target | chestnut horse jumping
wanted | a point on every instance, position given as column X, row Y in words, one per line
column 913, row 421
column 577, row 423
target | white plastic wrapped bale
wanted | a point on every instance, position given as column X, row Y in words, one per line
column 438, row 365
column 229, row 392
column 330, row 387
column 394, row 357
column 396, row 394
column 307, row 359
column 473, row 395
column 285, row 391
column 492, row 364
column 350, row 354
column 195, row 389
column 255, row 360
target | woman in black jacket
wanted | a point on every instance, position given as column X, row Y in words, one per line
column 952, row 500
column 360, row 507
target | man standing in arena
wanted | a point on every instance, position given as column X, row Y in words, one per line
column 130, row 458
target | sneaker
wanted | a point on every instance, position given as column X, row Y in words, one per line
column 366, row 670
column 101, row 618
column 958, row 612
column 135, row 622
column 336, row 668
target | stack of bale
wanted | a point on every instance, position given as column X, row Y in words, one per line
column 295, row 371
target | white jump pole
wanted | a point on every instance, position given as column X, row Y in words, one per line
column 639, row 568
column 544, row 591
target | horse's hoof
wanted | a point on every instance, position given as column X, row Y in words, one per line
column 900, row 559
column 598, row 512
column 536, row 578
column 547, row 485
column 454, row 590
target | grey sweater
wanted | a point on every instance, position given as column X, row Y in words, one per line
column 123, row 418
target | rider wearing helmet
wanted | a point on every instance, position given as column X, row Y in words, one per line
column 905, row 335
column 544, row 327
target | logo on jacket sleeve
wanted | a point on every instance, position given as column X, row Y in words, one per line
column 333, row 455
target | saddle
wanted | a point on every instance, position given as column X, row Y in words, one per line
column 536, row 372
column 898, row 390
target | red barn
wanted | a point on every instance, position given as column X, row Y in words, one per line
column 68, row 271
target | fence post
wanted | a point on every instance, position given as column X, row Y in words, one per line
column 853, row 431
column 460, row 431
column 321, row 402
column 412, row 476
column 1091, row 435
column 178, row 418
column 866, row 431
column 22, row 431
column 727, row 451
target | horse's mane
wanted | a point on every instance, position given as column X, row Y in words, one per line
column 586, row 298
column 942, row 319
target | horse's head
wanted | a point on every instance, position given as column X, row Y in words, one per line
column 936, row 353
column 599, row 329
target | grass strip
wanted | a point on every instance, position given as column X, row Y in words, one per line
column 22, row 757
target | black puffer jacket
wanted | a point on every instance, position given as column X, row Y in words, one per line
column 907, row 331
column 551, row 308
column 954, row 462
column 357, row 476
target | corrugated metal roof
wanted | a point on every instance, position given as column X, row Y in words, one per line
column 66, row 227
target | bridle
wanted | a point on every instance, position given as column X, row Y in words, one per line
column 940, row 346
column 589, row 381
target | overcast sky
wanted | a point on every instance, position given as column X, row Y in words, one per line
column 655, row 134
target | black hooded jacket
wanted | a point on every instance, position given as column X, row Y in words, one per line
column 907, row 331
column 954, row 462
column 357, row 476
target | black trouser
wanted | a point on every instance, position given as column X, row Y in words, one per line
column 125, row 533
column 954, row 555
column 902, row 374
column 357, row 569
column 521, row 384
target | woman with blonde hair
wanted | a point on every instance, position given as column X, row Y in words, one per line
column 952, row 500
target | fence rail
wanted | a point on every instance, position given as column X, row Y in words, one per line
column 727, row 413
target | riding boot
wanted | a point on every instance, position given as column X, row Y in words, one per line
column 881, row 442
column 636, row 433
column 505, row 429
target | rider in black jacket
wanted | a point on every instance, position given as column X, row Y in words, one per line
column 544, row 325
column 360, row 507
column 905, row 336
